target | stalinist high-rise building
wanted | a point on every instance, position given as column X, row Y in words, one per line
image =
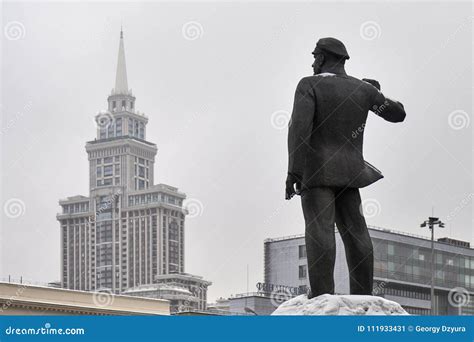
column 129, row 231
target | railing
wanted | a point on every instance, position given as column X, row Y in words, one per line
column 297, row 236
column 249, row 294
column 21, row 280
column 398, row 232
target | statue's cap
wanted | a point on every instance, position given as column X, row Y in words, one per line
column 331, row 45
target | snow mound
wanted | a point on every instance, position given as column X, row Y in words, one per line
column 339, row 305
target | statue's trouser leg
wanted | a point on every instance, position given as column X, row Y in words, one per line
column 319, row 214
column 357, row 243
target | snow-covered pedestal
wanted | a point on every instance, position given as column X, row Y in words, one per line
column 339, row 305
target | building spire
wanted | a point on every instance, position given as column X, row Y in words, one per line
column 121, row 84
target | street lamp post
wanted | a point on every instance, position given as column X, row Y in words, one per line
column 431, row 223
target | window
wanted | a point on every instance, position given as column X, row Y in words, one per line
column 390, row 249
column 124, row 105
column 141, row 171
column 114, row 105
column 118, row 127
column 99, row 171
column 141, row 184
column 302, row 251
column 99, row 161
column 110, row 130
column 117, row 181
column 130, row 127
column 131, row 105
column 108, row 171
column 108, row 160
column 117, row 169
column 302, row 271
column 107, row 181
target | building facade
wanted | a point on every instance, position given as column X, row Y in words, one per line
column 253, row 303
column 129, row 231
column 27, row 300
column 186, row 292
column 402, row 270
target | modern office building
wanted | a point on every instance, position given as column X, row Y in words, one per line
column 129, row 231
column 402, row 270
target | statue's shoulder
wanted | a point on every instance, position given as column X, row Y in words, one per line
column 362, row 84
column 330, row 76
column 311, row 81
column 318, row 77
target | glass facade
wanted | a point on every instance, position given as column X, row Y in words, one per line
column 410, row 263
column 402, row 270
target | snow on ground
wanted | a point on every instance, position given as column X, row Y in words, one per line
column 339, row 305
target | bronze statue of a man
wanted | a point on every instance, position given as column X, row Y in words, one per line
column 327, row 167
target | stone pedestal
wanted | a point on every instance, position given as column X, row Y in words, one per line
column 339, row 305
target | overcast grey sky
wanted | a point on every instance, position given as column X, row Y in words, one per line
column 217, row 82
